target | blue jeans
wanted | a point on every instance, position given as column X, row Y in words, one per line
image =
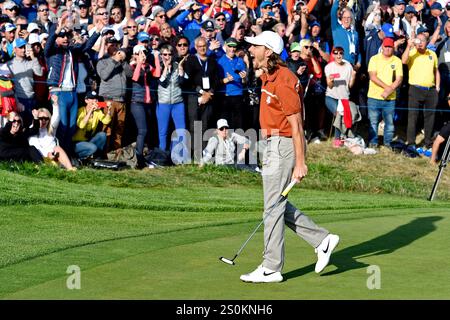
column 164, row 112
column 85, row 149
column 332, row 104
column 68, row 108
column 377, row 109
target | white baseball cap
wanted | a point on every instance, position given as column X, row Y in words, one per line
column 138, row 48
column 222, row 123
column 269, row 39
column 33, row 27
column 43, row 36
column 33, row 38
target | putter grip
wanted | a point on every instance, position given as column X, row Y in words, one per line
column 288, row 188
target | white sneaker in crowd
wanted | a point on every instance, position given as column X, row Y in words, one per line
column 324, row 251
column 262, row 275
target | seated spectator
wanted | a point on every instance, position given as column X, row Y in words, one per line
column 14, row 136
column 440, row 143
column 88, row 140
column 46, row 142
column 222, row 146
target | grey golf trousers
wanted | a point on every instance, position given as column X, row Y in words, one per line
column 278, row 164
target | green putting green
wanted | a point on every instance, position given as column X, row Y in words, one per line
column 126, row 254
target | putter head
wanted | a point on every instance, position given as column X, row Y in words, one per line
column 227, row 261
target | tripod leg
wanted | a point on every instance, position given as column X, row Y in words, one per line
column 442, row 165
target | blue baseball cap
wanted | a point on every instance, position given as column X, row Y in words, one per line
column 266, row 3
column 143, row 36
column 314, row 23
column 409, row 9
column 388, row 30
column 19, row 42
column 399, row 2
column 436, row 5
column 423, row 28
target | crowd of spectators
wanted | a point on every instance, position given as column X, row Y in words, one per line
column 107, row 73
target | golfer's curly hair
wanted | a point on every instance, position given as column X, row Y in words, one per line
column 274, row 62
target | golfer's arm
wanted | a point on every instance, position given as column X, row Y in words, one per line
column 298, row 137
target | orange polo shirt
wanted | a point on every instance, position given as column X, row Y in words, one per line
column 281, row 94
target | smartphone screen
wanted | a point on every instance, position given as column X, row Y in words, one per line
column 102, row 104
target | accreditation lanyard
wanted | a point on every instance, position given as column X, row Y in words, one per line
column 447, row 53
column 205, row 79
column 352, row 42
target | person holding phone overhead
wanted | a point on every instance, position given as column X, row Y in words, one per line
column 340, row 78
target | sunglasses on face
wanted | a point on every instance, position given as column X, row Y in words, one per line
column 166, row 54
column 132, row 27
column 307, row 47
column 220, row 20
column 102, row 13
column 223, row 128
column 154, row 39
column 267, row 7
column 17, row 121
column 161, row 16
column 338, row 53
column 44, row 118
column 43, row 10
column 182, row 45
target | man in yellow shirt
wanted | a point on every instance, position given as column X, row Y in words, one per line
column 424, row 82
column 87, row 140
column 386, row 75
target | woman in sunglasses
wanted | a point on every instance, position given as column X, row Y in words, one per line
column 340, row 78
column 170, row 98
column 46, row 142
column 14, row 144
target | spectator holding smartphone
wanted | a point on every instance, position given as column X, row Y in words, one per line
column 24, row 66
column 88, row 140
column 340, row 78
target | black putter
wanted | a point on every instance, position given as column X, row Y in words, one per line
column 282, row 196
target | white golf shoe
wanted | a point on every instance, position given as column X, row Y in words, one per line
column 324, row 251
column 262, row 275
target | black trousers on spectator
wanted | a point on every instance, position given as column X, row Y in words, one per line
column 20, row 154
column 416, row 99
column 203, row 113
column 232, row 109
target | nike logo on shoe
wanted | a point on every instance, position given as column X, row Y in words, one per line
column 268, row 274
column 328, row 245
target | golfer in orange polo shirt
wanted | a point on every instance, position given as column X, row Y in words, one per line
column 284, row 160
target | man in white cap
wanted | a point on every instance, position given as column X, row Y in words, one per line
column 221, row 148
column 284, row 160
